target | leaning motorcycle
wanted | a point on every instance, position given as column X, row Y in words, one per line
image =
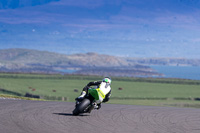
column 88, row 103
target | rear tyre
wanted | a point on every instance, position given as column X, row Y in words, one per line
column 80, row 108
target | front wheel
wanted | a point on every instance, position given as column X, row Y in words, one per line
column 80, row 108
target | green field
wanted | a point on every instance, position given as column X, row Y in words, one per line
column 137, row 91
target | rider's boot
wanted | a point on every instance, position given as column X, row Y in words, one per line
column 97, row 106
column 81, row 97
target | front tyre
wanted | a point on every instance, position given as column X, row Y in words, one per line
column 80, row 108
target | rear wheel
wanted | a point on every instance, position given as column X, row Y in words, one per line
column 80, row 108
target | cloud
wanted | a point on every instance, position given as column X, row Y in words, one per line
column 79, row 3
column 87, row 3
column 147, row 24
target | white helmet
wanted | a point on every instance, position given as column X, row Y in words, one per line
column 107, row 80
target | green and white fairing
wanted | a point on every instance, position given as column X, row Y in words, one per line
column 99, row 93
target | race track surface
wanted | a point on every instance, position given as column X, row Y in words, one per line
column 20, row 116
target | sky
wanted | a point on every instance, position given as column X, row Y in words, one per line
column 128, row 28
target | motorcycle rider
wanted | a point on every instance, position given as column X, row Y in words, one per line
column 105, row 88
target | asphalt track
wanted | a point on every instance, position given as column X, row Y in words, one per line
column 21, row 116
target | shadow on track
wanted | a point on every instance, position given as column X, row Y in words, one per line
column 67, row 114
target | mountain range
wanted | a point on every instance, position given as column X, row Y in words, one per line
column 35, row 61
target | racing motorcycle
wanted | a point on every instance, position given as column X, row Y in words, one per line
column 88, row 103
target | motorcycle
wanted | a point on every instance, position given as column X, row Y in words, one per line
column 88, row 103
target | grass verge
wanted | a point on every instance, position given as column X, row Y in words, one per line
column 19, row 97
column 135, row 91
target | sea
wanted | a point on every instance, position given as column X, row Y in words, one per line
column 183, row 72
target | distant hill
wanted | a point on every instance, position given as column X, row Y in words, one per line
column 34, row 57
column 34, row 61
column 165, row 61
column 26, row 60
